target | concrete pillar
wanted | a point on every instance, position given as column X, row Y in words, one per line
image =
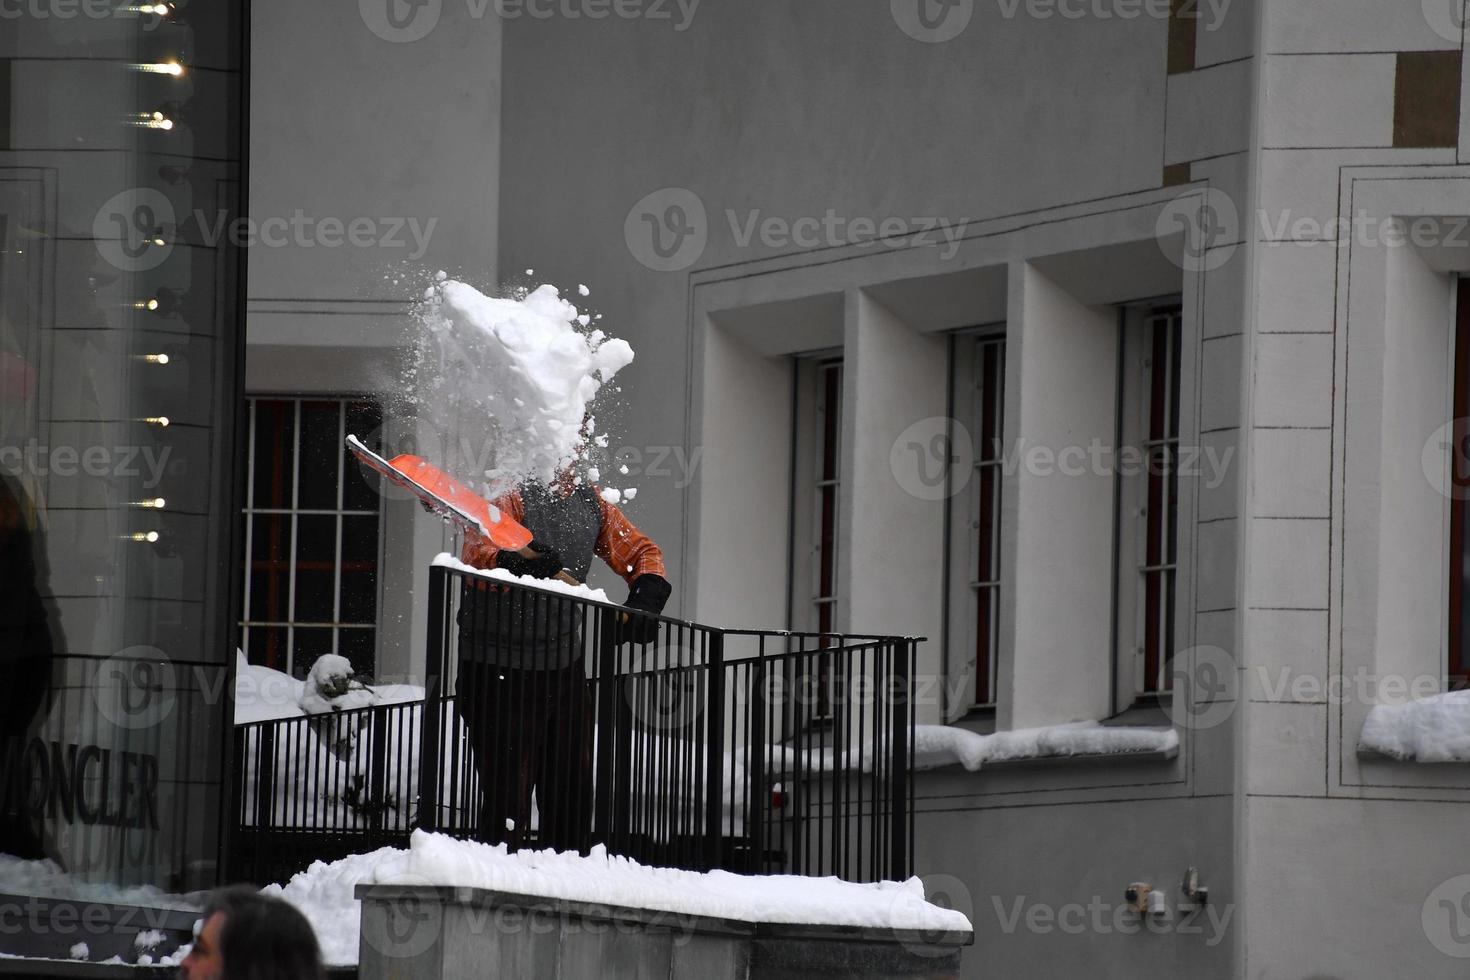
column 891, row 576
column 1056, row 620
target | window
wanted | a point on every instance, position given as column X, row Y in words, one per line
column 816, row 491
column 978, row 365
column 311, row 535
column 1458, row 667
column 827, row 486
column 1148, row 497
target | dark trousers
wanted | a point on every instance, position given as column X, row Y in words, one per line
column 530, row 730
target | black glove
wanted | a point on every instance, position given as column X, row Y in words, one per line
column 648, row 595
column 545, row 565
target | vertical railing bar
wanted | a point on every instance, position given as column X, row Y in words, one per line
column 430, row 736
column 901, row 798
column 713, row 749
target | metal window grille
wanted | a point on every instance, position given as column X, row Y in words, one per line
column 311, row 535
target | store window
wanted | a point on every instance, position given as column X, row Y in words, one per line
column 121, row 331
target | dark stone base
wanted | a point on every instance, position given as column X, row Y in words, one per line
column 447, row 933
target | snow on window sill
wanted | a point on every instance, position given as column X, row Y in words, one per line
column 943, row 746
column 1428, row 730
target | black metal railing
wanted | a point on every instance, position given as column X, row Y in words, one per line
column 552, row 720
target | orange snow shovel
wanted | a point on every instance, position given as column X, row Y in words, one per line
column 452, row 500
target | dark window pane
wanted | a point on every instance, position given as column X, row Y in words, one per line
column 316, row 553
column 310, row 643
column 270, row 556
column 268, row 646
column 359, row 569
column 320, row 455
column 360, row 489
column 275, row 441
column 360, row 647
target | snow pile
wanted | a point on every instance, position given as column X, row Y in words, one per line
column 263, row 694
column 523, row 369
column 330, row 686
column 1432, row 729
column 943, row 745
column 323, row 892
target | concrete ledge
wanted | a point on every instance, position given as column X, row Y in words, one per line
column 51, row 926
column 1373, row 755
column 438, row 932
column 1080, row 759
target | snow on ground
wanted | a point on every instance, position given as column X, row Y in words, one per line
column 527, row 366
column 324, row 891
column 1432, row 729
column 943, row 745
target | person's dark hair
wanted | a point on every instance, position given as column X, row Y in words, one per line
column 264, row 938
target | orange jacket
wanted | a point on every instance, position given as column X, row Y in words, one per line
column 627, row 550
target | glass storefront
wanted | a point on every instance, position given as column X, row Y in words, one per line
column 121, row 345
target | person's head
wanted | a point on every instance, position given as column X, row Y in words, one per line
column 245, row 935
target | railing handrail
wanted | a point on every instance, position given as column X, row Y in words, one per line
column 530, row 584
column 340, row 713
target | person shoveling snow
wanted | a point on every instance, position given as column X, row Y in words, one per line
column 524, row 371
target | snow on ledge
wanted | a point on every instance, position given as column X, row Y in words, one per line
column 324, row 892
column 445, row 560
column 1432, row 729
column 944, row 745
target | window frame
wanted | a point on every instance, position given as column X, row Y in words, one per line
column 250, row 511
column 1146, row 549
column 1457, row 668
column 972, row 690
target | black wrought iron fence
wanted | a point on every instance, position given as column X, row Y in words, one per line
column 551, row 719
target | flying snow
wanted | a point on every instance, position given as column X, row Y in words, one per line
column 516, row 375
